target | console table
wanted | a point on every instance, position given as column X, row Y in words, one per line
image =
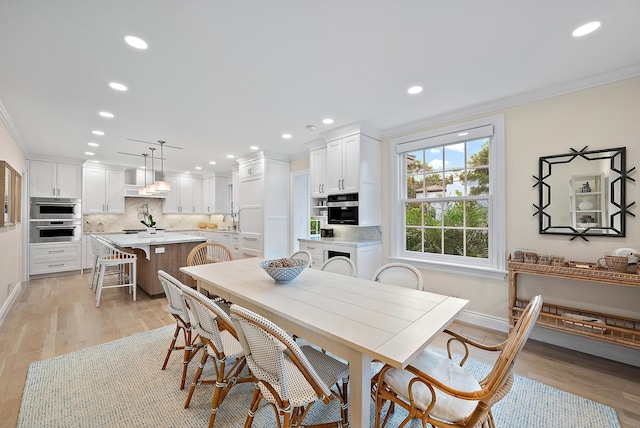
column 609, row 328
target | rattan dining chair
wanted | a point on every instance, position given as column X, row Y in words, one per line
column 208, row 252
column 125, row 263
column 290, row 378
column 217, row 333
column 303, row 255
column 340, row 264
column 442, row 392
column 178, row 309
column 400, row 274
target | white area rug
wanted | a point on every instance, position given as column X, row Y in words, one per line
column 120, row 384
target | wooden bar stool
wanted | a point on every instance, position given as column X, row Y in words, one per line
column 125, row 276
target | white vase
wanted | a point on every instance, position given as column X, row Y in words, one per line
column 585, row 204
column 151, row 230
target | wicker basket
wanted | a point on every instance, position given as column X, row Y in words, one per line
column 616, row 263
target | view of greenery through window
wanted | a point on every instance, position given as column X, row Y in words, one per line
column 447, row 200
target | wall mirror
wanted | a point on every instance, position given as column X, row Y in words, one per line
column 582, row 193
column 10, row 194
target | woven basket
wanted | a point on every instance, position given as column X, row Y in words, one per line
column 616, row 263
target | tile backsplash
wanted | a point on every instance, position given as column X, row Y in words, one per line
column 133, row 213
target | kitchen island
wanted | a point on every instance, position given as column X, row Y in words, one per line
column 165, row 251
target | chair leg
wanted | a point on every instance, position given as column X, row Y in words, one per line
column 257, row 396
column 93, row 273
column 186, row 333
column 133, row 279
column 217, row 394
column 99, row 286
column 171, row 346
column 196, row 378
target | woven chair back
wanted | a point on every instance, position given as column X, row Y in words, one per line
column 400, row 274
column 208, row 252
column 271, row 353
column 173, row 290
column 340, row 264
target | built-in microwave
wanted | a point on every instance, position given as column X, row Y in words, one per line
column 343, row 209
column 55, row 209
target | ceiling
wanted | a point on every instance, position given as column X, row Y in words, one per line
column 221, row 76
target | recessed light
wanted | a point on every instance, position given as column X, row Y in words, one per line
column 187, row 172
column 142, row 167
column 327, row 121
column 95, row 161
column 230, row 156
column 462, row 134
column 212, row 162
column 136, row 42
column 97, row 132
column 254, row 147
column 286, row 136
column 311, row 127
column 414, row 90
column 89, row 153
column 118, row 86
column 585, row 29
column 198, row 167
column 105, row 114
column 93, row 144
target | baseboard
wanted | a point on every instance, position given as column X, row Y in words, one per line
column 9, row 302
column 610, row 351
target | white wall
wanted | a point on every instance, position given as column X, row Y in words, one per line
column 601, row 117
column 11, row 237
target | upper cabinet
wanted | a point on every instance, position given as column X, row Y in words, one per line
column 318, row 163
column 343, row 165
column 55, row 180
column 251, row 170
column 103, row 191
column 214, row 195
column 185, row 196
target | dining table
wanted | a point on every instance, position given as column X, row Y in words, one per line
column 356, row 319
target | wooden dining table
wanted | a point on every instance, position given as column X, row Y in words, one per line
column 356, row 319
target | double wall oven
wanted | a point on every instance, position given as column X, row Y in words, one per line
column 55, row 220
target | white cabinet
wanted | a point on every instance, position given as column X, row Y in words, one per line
column 59, row 180
column 317, row 166
column 185, row 196
column 263, row 222
column 317, row 253
column 367, row 258
column 343, row 165
column 588, row 201
column 55, row 257
column 103, row 191
column 214, row 195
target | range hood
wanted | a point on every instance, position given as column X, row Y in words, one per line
column 135, row 179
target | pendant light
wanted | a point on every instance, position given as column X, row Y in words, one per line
column 151, row 188
column 142, row 191
column 161, row 185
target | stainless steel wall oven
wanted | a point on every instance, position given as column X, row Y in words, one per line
column 343, row 209
column 55, row 209
column 55, row 231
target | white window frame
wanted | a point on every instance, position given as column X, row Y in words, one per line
column 495, row 266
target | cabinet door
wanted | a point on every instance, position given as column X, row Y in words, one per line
column 172, row 201
column 208, row 195
column 221, row 196
column 317, row 164
column 334, row 167
column 350, row 164
column 93, row 201
column 114, row 192
column 42, row 179
column 69, row 181
column 196, row 196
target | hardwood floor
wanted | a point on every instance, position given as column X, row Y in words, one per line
column 54, row 316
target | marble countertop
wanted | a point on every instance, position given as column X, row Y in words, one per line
column 136, row 240
column 344, row 241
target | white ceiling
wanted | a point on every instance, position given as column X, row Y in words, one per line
column 220, row 76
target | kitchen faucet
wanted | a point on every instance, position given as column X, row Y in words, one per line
column 233, row 219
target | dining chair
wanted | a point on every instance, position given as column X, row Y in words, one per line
column 303, row 255
column 292, row 379
column 441, row 392
column 340, row 264
column 177, row 307
column 208, row 252
column 94, row 265
column 218, row 335
column 400, row 274
column 125, row 276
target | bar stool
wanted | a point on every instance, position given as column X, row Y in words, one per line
column 110, row 256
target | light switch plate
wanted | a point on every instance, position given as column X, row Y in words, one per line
column 159, row 250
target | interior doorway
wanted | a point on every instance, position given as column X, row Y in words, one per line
column 299, row 210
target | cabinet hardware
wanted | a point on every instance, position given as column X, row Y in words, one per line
column 53, row 191
column 59, row 264
column 249, row 239
column 56, row 251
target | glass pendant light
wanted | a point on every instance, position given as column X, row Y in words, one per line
column 151, row 188
column 161, row 185
column 142, row 191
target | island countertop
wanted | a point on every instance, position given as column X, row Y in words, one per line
column 139, row 241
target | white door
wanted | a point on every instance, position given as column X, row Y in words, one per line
column 299, row 209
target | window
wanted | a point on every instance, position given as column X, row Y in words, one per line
column 449, row 185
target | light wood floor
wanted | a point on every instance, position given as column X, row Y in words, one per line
column 54, row 316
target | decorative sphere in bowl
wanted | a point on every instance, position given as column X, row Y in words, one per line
column 283, row 270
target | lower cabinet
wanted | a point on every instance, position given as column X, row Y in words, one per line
column 367, row 257
column 55, row 257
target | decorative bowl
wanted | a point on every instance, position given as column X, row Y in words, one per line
column 282, row 275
